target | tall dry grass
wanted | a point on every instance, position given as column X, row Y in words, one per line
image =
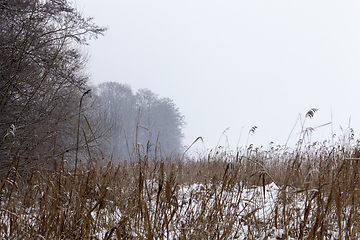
column 221, row 195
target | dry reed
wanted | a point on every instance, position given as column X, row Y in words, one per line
column 217, row 196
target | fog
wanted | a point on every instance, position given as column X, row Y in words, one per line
column 232, row 65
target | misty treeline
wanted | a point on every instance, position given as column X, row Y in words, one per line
column 139, row 121
column 47, row 112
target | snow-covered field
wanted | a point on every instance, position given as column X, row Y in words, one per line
column 196, row 199
column 258, row 203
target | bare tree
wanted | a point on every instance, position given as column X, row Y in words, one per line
column 142, row 120
column 163, row 120
column 118, row 110
column 41, row 77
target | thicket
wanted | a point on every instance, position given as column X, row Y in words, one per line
column 42, row 79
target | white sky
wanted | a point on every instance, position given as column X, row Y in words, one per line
column 236, row 63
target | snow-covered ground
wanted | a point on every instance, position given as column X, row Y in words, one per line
column 203, row 210
column 240, row 209
column 241, row 204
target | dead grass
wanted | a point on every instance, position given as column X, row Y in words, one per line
column 204, row 198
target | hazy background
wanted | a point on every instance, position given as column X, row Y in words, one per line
column 236, row 64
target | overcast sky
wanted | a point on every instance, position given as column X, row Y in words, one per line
column 236, row 64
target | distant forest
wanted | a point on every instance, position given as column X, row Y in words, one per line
column 141, row 120
column 48, row 108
